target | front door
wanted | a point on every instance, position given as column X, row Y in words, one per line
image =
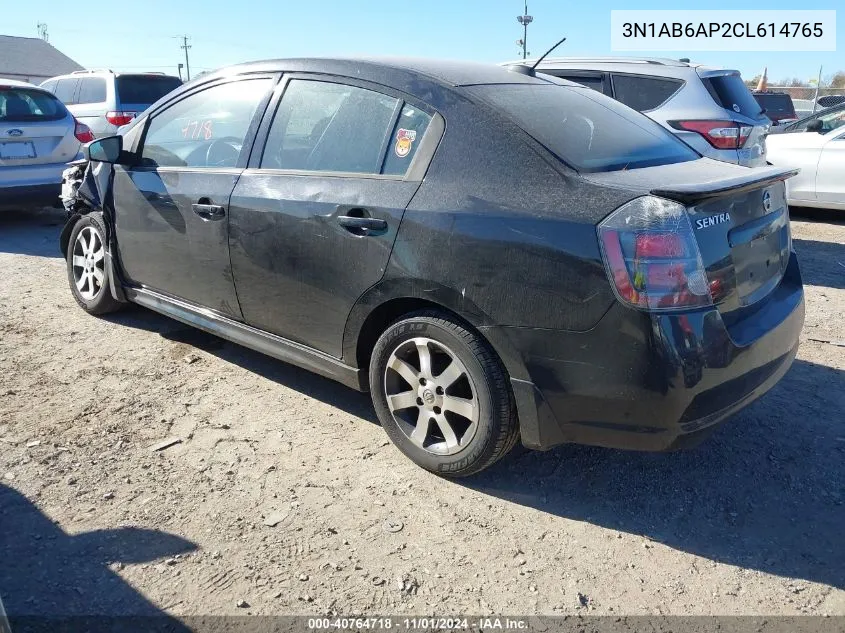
column 314, row 219
column 172, row 207
column 830, row 184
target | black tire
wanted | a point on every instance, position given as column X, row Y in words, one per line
column 101, row 301
column 497, row 428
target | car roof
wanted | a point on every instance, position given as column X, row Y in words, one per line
column 14, row 83
column 395, row 69
column 100, row 72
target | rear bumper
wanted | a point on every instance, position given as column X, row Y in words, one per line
column 31, row 184
column 652, row 382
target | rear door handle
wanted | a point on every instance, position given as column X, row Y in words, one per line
column 357, row 225
column 209, row 211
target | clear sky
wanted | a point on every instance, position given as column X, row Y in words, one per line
column 142, row 35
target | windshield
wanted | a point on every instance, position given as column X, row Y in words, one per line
column 585, row 129
column 24, row 105
column 144, row 89
column 731, row 93
column 831, row 120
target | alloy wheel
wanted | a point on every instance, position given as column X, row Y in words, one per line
column 431, row 396
column 88, row 263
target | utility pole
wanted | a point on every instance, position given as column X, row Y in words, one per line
column 186, row 46
column 42, row 31
column 524, row 20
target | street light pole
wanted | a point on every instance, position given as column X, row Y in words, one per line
column 524, row 20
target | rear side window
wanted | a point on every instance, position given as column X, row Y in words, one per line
column 92, row 90
column 777, row 106
column 644, row 93
column 731, row 93
column 323, row 126
column 589, row 131
column 19, row 105
column 66, row 90
column 144, row 89
column 205, row 129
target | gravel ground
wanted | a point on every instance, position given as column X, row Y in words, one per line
column 284, row 496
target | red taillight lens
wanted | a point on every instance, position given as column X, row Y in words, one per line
column 120, row 118
column 651, row 256
column 82, row 132
column 720, row 134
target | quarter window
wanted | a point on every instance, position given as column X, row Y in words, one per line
column 643, row 93
column 206, row 129
column 323, row 126
column 407, row 134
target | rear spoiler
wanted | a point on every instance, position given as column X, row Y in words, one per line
column 696, row 192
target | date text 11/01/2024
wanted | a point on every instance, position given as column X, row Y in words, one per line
column 418, row 624
column 722, row 29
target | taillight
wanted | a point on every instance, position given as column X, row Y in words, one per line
column 120, row 118
column 720, row 134
column 651, row 256
column 82, row 132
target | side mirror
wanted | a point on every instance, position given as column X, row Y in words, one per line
column 816, row 126
column 104, row 150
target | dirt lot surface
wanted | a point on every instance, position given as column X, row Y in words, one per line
column 284, row 495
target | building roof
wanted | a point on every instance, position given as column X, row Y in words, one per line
column 32, row 57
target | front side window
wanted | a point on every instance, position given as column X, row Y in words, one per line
column 589, row 131
column 206, row 129
column 323, row 126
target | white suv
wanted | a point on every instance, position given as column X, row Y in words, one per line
column 105, row 100
column 711, row 109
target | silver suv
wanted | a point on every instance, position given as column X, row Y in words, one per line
column 105, row 100
column 710, row 109
column 38, row 136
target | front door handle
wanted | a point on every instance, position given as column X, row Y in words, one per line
column 359, row 225
column 209, row 211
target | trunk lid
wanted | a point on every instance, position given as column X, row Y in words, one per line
column 739, row 218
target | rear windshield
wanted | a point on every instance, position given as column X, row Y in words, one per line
column 778, row 106
column 585, row 129
column 22, row 105
column 144, row 89
column 731, row 93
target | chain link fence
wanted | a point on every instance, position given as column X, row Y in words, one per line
column 803, row 97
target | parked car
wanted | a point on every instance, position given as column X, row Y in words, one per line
column 710, row 109
column 816, row 145
column 105, row 100
column 38, row 136
column 777, row 106
column 491, row 254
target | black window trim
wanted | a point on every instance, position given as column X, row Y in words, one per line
column 681, row 83
column 603, row 75
column 249, row 140
column 419, row 164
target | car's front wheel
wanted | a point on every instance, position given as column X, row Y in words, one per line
column 442, row 395
column 86, row 266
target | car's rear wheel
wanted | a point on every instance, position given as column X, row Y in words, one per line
column 442, row 395
column 86, row 266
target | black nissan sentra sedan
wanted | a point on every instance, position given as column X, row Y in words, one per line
column 493, row 255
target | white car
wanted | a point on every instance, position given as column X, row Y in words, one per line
column 816, row 145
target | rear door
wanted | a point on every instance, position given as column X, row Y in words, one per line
column 172, row 207
column 314, row 218
column 35, row 129
column 91, row 104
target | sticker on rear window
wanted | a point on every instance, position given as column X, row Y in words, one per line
column 404, row 142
